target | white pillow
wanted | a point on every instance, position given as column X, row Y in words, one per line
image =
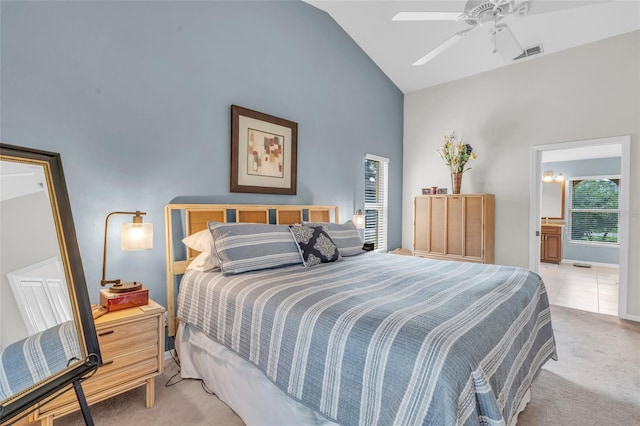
column 204, row 262
column 201, row 241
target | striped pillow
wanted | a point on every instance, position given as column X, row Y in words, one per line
column 243, row 247
column 346, row 236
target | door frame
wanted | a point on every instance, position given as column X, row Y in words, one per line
column 535, row 196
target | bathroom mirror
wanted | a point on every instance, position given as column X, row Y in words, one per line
column 47, row 335
column 552, row 202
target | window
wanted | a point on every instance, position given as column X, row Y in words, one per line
column 593, row 210
column 375, row 201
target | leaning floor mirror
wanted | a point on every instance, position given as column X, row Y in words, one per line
column 48, row 340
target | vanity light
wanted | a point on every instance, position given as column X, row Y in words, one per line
column 358, row 219
column 133, row 236
column 548, row 177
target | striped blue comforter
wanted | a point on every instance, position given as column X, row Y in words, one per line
column 384, row 339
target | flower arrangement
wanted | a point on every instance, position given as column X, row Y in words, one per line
column 455, row 153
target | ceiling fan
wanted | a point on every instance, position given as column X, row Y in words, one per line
column 486, row 14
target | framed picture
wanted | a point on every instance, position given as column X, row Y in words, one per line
column 264, row 152
column 442, row 191
column 426, row 191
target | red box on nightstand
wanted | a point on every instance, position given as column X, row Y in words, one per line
column 129, row 299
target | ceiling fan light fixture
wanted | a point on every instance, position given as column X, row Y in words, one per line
column 498, row 3
column 505, row 42
column 522, row 9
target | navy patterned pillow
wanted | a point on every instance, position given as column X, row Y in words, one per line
column 315, row 244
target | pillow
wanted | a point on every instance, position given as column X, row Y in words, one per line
column 200, row 241
column 203, row 242
column 346, row 236
column 204, row 262
column 243, row 247
column 315, row 244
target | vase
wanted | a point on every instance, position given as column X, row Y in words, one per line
column 456, row 181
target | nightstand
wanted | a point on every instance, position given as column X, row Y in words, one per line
column 132, row 348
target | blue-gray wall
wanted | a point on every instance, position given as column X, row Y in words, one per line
column 586, row 168
column 136, row 97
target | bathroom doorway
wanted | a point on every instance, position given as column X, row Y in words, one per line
column 582, row 253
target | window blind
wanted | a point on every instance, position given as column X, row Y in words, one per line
column 594, row 210
column 376, row 200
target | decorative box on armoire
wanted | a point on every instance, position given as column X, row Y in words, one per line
column 454, row 227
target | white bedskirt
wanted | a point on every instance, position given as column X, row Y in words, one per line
column 246, row 389
column 239, row 383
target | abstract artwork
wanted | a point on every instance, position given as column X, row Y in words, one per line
column 263, row 153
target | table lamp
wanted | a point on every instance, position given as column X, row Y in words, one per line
column 134, row 235
column 358, row 219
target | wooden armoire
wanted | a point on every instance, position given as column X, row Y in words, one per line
column 454, row 227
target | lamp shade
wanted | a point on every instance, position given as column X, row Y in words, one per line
column 358, row 219
column 136, row 236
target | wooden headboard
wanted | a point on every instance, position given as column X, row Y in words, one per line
column 182, row 220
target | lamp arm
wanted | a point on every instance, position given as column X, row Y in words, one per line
column 104, row 281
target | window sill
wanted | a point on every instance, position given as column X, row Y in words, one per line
column 594, row 244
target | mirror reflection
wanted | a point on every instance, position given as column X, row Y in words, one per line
column 552, row 201
column 35, row 306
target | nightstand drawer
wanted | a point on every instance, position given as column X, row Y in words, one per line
column 125, row 360
column 126, row 338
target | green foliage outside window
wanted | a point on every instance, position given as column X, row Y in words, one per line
column 594, row 210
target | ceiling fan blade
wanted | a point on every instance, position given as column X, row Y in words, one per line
column 443, row 46
column 427, row 16
column 505, row 42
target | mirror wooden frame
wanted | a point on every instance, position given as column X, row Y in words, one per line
column 74, row 273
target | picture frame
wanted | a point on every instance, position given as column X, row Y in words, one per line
column 442, row 191
column 264, row 151
column 430, row 190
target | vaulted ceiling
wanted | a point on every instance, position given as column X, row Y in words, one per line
column 395, row 45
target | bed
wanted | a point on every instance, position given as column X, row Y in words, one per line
column 369, row 338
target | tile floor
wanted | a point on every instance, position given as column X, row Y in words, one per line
column 592, row 289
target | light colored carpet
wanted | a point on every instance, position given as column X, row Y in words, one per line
column 596, row 381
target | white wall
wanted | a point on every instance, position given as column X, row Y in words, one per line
column 588, row 92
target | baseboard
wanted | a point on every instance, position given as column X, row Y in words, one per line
column 630, row 318
column 602, row 265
